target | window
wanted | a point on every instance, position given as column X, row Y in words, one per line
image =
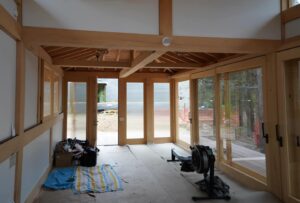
column 294, row 2
column 206, row 113
column 184, row 111
column 162, row 110
column 77, row 110
column 241, row 119
column 47, row 92
column 135, row 110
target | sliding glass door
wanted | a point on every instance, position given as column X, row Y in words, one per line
column 183, row 115
column 241, row 119
column 135, row 110
column 206, row 112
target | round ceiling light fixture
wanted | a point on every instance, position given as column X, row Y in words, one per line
column 166, row 41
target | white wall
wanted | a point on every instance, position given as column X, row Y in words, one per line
column 11, row 7
column 133, row 16
column 7, row 179
column 292, row 28
column 56, row 134
column 31, row 89
column 35, row 154
column 231, row 18
column 7, row 84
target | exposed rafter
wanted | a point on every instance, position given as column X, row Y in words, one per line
column 140, row 62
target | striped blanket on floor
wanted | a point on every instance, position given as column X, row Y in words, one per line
column 96, row 179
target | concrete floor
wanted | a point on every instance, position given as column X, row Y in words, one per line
column 147, row 177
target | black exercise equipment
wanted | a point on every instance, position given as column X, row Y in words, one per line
column 202, row 161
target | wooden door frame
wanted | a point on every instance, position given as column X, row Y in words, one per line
column 282, row 58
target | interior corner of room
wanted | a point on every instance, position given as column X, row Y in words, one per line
column 139, row 78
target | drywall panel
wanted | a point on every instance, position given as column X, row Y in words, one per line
column 35, row 163
column 7, row 84
column 60, row 94
column 132, row 16
column 292, row 28
column 258, row 19
column 56, row 134
column 11, row 7
column 7, row 179
column 31, row 89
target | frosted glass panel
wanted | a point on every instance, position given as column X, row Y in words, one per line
column 135, row 110
column 183, row 111
column 47, row 92
column 77, row 102
column 162, row 110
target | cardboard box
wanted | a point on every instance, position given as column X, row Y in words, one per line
column 61, row 157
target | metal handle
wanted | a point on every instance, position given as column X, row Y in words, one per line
column 266, row 136
column 298, row 141
column 278, row 138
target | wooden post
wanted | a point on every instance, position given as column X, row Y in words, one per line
column 19, row 118
column 194, row 112
column 122, row 112
column 149, row 111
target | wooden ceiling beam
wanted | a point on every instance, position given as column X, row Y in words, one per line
column 140, row 62
column 108, row 40
column 165, row 17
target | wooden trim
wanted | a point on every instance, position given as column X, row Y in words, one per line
column 36, row 190
column 35, row 132
column 65, row 107
column 242, row 177
column 217, row 107
column 248, row 64
column 165, row 17
column 76, row 38
column 9, row 25
column 160, row 140
column 290, row 14
column 140, row 62
column 204, row 74
column 183, row 144
column 136, row 141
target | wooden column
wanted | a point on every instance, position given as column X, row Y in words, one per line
column 194, row 112
column 122, row 112
column 174, row 109
column 19, row 116
column 165, row 17
column 149, row 111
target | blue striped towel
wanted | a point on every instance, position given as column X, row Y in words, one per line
column 97, row 179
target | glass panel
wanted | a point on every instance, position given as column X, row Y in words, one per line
column 56, row 95
column 294, row 2
column 77, row 103
column 47, row 93
column 183, row 111
column 242, row 115
column 162, row 110
column 107, row 116
column 206, row 96
column 293, row 118
column 135, row 110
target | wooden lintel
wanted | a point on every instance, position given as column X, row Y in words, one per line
column 9, row 25
column 39, row 52
column 140, row 62
column 91, row 64
column 108, row 40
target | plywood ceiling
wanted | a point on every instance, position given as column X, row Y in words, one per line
column 170, row 61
